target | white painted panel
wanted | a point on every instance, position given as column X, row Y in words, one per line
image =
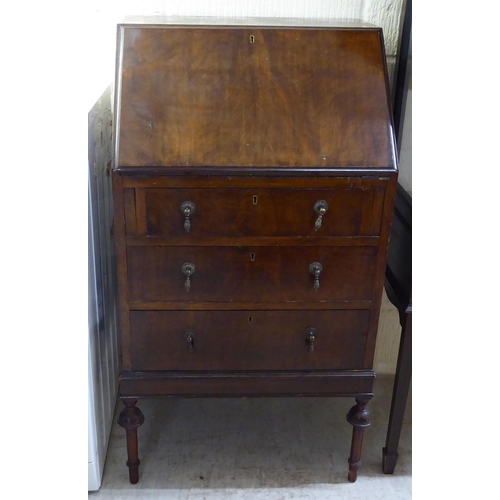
column 322, row 9
column 103, row 347
column 94, row 403
column 94, row 472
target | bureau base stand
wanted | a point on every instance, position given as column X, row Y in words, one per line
column 359, row 418
column 131, row 418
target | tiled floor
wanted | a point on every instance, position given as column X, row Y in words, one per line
column 252, row 449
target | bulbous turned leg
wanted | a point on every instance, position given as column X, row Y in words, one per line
column 359, row 418
column 131, row 418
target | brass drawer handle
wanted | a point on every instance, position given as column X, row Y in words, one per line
column 310, row 338
column 188, row 208
column 320, row 207
column 188, row 269
column 315, row 269
column 189, row 336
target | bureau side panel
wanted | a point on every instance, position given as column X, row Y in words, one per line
column 385, row 232
column 121, row 264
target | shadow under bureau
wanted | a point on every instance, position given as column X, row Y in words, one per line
column 254, row 174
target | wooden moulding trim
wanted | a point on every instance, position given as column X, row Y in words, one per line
column 244, row 306
column 244, row 23
column 121, row 267
column 256, row 171
column 340, row 241
column 130, row 211
column 349, row 383
column 227, row 180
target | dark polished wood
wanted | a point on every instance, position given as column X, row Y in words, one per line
column 197, row 96
column 255, row 241
column 191, row 178
column 359, row 418
column 248, row 340
column 261, row 212
column 277, row 274
column 131, row 418
column 252, row 289
column 250, row 383
column 398, row 286
column 399, row 397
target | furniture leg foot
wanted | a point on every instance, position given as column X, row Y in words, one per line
column 131, row 418
column 359, row 418
column 399, row 397
column 389, row 461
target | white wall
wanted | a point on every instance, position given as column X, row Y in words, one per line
column 384, row 13
column 106, row 14
column 405, row 153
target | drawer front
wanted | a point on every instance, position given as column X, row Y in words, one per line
column 249, row 340
column 251, row 274
column 261, row 212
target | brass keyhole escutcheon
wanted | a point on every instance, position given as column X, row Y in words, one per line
column 252, row 39
column 189, row 336
column 255, row 198
column 252, row 257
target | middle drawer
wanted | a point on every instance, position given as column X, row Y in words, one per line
column 251, row 274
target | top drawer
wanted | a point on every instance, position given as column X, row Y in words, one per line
column 257, row 212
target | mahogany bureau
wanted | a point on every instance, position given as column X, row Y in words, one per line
column 254, row 174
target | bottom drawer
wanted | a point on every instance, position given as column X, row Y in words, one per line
column 248, row 340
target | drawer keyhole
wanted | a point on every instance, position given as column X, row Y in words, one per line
column 252, row 257
column 255, row 198
column 249, row 319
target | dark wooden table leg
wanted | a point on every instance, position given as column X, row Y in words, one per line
column 399, row 398
column 131, row 418
column 359, row 418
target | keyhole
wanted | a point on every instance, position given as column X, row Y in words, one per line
column 249, row 319
column 255, row 198
column 252, row 256
column 252, row 39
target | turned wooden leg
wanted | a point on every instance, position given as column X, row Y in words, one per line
column 399, row 398
column 131, row 418
column 359, row 418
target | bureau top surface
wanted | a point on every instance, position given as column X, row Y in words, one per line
column 243, row 96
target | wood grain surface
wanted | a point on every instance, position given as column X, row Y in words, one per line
column 226, row 274
column 261, row 212
column 191, row 96
column 248, row 340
